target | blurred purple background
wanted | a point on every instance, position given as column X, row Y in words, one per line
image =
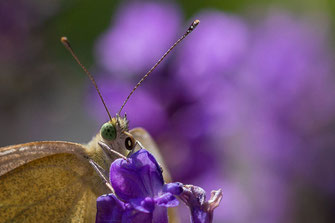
column 246, row 103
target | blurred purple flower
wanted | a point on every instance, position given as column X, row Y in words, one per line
column 287, row 89
column 139, row 35
column 141, row 193
column 271, row 114
column 291, row 61
column 202, row 68
column 190, row 127
column 211, row 53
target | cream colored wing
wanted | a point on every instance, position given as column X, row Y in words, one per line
column 55, row 188
column 14, row 156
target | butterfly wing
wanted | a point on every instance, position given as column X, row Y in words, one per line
column 52, row 183
column 14, row 156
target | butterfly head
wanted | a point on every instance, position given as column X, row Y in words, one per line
column 115, row 133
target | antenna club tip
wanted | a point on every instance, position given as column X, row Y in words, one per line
column 63, row 39
column 194, row 24
column 65, row 42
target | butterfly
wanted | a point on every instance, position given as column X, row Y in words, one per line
column 58, row 181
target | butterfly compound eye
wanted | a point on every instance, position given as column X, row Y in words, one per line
column 108, row 131
column 129, row 142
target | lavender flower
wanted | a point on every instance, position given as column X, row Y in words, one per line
column 141, row 195
column 140, row 192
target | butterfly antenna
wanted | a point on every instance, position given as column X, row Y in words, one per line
column 189, row 30
column 67, row 45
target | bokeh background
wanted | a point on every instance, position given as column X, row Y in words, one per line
column 245, row 104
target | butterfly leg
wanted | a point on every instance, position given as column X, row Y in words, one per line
column 108, row 150
column 99, row 170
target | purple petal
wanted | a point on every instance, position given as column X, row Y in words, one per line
column 160, row 215
column 139, row 177
column 167, row 200
column 173, row 188
column 146, row 205
column 109, row 209
column 132, row 216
